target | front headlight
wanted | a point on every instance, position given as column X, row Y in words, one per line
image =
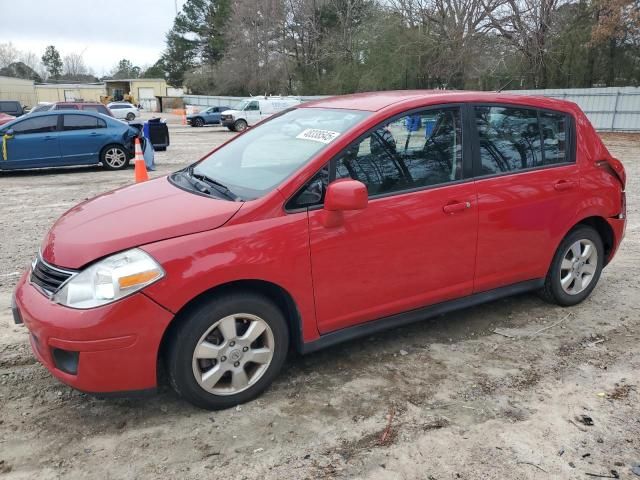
column 110, row 279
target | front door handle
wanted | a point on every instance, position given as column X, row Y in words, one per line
column 49, row 137
column 456, row 207
column 563, row 185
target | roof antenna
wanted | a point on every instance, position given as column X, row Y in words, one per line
column 505, row 85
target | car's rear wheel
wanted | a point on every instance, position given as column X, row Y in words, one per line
column 227, row 350
column 131, row 116
column 576, row 267
column 240, row 125
column 197, row 122
column 114, row 157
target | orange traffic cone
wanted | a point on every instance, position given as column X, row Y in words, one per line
column 184, row 116
column 141, row 168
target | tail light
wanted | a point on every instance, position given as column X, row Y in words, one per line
column 614, row 167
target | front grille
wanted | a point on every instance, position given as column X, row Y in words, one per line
column 47, row 277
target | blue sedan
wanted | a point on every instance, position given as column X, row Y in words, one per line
column 66, row 137
column 209, row 116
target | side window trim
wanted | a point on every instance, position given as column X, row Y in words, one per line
column 466, row 111
column 474, row 138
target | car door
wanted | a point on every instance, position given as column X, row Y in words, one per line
column 118, row 111
column 415, row 242
column 528, row 185
column 82, row 137
column 252, row 112
column 34, row 143
column 209, row 115
column 214, row 115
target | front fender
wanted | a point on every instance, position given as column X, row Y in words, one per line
column 273, row 250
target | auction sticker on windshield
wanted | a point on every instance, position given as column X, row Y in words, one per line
column 317, row 135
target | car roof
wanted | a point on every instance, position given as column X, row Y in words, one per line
column 78, row 103
column 375, row 101
column 62, row 110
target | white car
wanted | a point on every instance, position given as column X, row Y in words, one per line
column 254, row 109
column 124, row 110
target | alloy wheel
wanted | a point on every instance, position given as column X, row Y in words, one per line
column 579, row 265
column 115, row 157
column 233, row 354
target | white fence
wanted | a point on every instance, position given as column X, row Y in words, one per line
column 608, row 109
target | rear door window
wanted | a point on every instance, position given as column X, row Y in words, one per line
column 82, row 122
column 509, row 139
column 43, row 124
column 96, row 108
column 66, row 107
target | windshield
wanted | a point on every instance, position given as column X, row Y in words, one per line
column 242, row 105
column 259, row 160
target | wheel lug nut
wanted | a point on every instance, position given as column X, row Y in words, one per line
column 231, row 344
column 245, row 349
column 237, row 364
column 223, row 359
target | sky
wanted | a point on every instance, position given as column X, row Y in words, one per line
column 103, row 31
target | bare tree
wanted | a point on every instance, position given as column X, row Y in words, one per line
column 74, row 65
column 8, row 54
column 526, row 24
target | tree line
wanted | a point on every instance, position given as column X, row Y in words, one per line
column 240, row 47
column 305, row 47
column 53, row 67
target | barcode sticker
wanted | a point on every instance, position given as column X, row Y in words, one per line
column 317, row 135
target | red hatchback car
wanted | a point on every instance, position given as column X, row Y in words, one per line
column 329, row 221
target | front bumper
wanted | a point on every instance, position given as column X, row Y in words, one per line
column 115, row 346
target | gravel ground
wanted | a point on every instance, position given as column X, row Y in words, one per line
column 444, row 399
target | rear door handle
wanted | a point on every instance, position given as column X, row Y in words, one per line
column 563, row 185
column 456, row 207
column 49, row 137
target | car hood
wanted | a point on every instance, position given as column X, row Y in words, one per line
column 130, row 217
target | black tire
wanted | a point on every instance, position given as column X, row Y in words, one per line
column 107, row 157
column 240, row 125
column 552, row 291
column 130, row 116
column 197, row 122
column 197, row 321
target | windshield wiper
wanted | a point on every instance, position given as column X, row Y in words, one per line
column 217, row 186
column 199, row 185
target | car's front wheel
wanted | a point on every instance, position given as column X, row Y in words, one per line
column 114, row 157
column 227, row 350
column 197, row 122
column 240, row 126
column 131, row 116
column 575, row 268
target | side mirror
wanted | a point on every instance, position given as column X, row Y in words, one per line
column 341, row 196
column 10, row 132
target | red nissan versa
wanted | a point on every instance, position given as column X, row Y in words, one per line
column 332, row 220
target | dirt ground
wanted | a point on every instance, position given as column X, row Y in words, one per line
column 443, row 399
